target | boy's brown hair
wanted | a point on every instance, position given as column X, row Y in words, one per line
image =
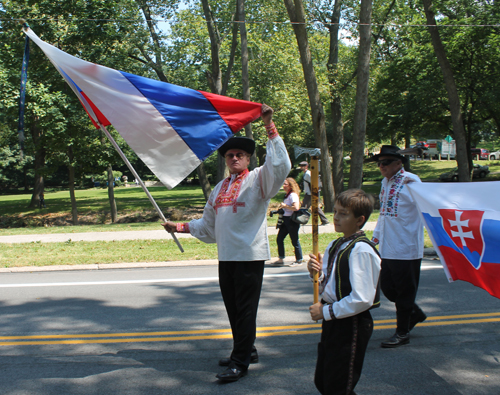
column 358, row 201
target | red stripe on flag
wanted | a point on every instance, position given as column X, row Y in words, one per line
column 486, row 277
column 100, row 117
column 236, row 113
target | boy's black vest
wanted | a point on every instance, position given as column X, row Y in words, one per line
column 342, row 282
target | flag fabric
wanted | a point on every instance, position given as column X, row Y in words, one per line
column 463, row 222
column 171, row 128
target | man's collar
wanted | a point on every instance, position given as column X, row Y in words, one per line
column 400, row 172
column 240, row 174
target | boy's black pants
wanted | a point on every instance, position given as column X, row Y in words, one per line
column 341, row 353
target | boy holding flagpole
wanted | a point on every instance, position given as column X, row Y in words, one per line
column 348, row 275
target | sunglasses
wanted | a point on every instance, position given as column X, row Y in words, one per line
column 386, row 162
column 239, row 155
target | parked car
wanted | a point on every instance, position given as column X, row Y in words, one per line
column 495, row 155
column 477, row 172
column 481, row 152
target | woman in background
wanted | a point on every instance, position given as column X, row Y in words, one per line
column 290, row 204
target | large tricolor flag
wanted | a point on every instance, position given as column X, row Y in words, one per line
column 171, row 128
column 463, row 221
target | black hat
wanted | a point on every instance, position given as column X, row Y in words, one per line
column 390, row 150
column 243, row 143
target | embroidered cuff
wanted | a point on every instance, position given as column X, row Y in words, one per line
column 328, row 312
column 183, row 228
column 272, row 132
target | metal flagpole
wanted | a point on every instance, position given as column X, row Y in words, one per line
column 131, row 168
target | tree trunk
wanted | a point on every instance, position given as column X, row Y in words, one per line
column 453, row 98
column 214, row 76
column 204, row 183
column 38, row 188
column 244, row 70
column 111, row 194
column 361, row 108
column 337, row 144
column 296, row 13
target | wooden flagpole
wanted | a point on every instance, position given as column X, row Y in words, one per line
column 314, row 209
column 131, row 168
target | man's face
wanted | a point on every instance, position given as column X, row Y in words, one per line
column 389, row 166
column 237, row 160
column 303, row 168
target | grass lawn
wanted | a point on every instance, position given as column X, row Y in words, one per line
column 136, row 213
column 82, row 253
column 99, row 252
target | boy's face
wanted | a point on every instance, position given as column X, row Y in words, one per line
column 344, row 220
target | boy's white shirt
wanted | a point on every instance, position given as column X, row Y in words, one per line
column 364, row 271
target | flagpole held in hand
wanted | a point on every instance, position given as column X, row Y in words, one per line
column 131, row 168
column 314, row 209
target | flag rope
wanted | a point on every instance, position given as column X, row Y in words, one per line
column 22, row 93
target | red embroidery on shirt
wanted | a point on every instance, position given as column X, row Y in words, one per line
column 272, row 132
column 228, row 194
column 182, row 227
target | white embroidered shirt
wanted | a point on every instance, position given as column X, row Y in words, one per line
column 235, row 216
column 399, row 230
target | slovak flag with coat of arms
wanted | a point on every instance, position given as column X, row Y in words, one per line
column 463, row 221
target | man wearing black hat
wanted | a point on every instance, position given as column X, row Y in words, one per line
column 235, row 217
column 400, row 235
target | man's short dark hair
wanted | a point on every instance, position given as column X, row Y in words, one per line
column 358, row 201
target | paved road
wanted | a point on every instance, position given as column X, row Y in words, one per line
column 162, row 330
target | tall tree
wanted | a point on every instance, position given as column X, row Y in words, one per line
column 218, row 84
column 360, row 111
column 152, row 56
column 453, row 97
column 295, row 10
column 244, row 69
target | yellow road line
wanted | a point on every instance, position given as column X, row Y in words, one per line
column 206, row 334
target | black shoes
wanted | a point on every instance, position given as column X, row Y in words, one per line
column 396, row 340
column 231, row 374
column 254, row 358
column 416, row 317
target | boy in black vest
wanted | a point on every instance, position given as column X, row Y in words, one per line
column 348, row 282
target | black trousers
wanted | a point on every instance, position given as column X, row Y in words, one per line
column 399, row 282
column 341, row 353
column 288, row 227
column 240, row 285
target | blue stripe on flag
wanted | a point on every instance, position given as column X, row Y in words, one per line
column 191, row 115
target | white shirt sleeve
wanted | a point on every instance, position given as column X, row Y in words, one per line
column 204, row 228
column 364, row 271
column 275, row 169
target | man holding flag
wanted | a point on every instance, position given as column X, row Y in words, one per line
column 400, row 235
column 235, row 217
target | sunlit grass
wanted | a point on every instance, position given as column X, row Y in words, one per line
column 129, row 251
